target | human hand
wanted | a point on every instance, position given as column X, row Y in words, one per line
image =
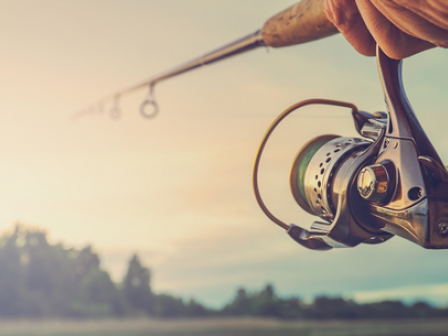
column 400, row 27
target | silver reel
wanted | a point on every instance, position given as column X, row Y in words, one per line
column 391, row 181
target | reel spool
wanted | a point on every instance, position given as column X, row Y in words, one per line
column 312, row 172
column 388, row 182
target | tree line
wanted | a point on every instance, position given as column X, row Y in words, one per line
column 38, row 279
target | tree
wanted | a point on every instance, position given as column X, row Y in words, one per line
column 41, row 280
column 388, row 309
column 98, row 296
column 169, row 306
column 11, row 276
column 240, row 306
column 263, row 303
column 84, row 261
column 136, row 286
column 332, row 308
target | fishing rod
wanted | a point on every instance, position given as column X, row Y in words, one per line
column 389, row 181
column 300, row 23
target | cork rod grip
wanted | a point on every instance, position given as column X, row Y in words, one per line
column 303, row 22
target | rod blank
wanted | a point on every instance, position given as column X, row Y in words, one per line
column 303, row 22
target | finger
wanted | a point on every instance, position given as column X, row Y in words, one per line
column 434, row 11
column 393, row 41
column 344, row 14
column 412, row 23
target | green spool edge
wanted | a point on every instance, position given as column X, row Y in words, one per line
column 300, row 166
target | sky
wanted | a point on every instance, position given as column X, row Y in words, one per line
column 177, row 189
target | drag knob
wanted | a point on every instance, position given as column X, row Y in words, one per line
column 374, row 182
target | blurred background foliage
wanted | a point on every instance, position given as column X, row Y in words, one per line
column 38, row 279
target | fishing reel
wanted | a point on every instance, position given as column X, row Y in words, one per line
column 389, row 181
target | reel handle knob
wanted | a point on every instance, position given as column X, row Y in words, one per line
column 376, row 182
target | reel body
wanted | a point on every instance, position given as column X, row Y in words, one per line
column 390, row 181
